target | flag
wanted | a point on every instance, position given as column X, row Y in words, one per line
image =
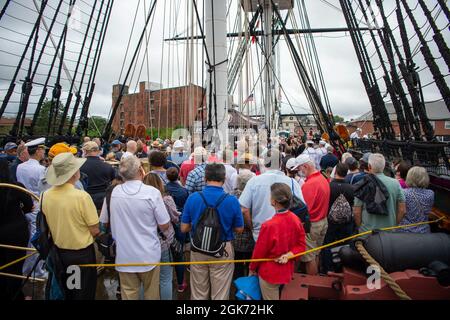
column 250, row 98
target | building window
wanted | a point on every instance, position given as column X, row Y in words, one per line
column 447, row 125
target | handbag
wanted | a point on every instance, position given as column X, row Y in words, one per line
column 248, row 288
column 105, row 242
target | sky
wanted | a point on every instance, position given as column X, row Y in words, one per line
column 167, row 60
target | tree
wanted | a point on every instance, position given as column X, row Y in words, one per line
column 338, row 119
column 41, row 126
column 96, row 125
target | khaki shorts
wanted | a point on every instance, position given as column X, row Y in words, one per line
column 315, row 239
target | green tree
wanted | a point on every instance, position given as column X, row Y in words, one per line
column 41, row 125
column 96, row 125
column 338, row 119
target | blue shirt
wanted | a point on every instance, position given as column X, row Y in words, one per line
column 178, row 193
column 229, row 210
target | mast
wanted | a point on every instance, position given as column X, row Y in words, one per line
column 216, row 46
column 429, row 59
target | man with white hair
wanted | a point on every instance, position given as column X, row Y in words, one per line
column 379, row 200
column 355, row 135
column 196, row 179
column 131, row 149
column 136, row 212
column 316, row 191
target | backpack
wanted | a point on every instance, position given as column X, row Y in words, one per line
column 42, row 239
column 207, row 237
column 340, row 211
column 300, row 209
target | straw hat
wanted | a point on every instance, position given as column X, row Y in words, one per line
column 63, row 167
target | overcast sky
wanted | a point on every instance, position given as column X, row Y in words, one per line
column 336, row 53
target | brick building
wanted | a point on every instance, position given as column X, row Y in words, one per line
column 157, row 108
column 437, row 113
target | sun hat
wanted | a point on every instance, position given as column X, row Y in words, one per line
column 63, row 167
column 60, row 148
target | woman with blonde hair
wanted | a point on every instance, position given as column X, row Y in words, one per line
column 419, row 200
column 166, row 237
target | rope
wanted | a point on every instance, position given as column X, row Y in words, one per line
column 256, row 260
column 384, row 275
column 17, row 261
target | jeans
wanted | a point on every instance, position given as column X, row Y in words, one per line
column 335, row 232
column 179, row 270
column 165, row 277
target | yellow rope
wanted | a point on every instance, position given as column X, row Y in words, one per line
column 17, row 261
column 252, row 260
column 384, row 275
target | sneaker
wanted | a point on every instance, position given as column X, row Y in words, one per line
column 182, row 287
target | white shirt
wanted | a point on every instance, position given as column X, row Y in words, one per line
column 320, row 153
column 312, row 153
column 29, row 174
column 354, row 135
column 127, row 154
column 230, row 178
column 136, row 211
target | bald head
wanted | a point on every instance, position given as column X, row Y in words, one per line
column 132, row 146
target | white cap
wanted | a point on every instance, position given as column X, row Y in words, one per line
column 309, row 142
column 178, row 144
column 322, row 142
column 35, row 142
column 302, row 159
column 291, row 164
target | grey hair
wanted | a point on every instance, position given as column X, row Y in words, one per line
column 129, row 168
column 345, row 156
column 417, row 178
column 132, row 146
column 243, row 178
column 377, row 162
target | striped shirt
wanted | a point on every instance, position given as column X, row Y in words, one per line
column 196, row 179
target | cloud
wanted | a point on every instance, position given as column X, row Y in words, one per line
column 336, row 54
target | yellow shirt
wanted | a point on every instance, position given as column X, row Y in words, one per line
column 69, row 213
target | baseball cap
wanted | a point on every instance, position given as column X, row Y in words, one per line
column 322, row 142
column 10, row 146
column 116, row 142
column 291, row 164
column 178, row 144
column 90, row 146
column 309, row 142
column 301, row 160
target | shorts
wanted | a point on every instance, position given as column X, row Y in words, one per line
column 315, row 239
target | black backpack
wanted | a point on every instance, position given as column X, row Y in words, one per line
column 42, row 238
column 207, row 238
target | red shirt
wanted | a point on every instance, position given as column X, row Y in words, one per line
column 316, row 191
column 279, row 235
column 186, row 167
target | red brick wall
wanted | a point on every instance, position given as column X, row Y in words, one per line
column 165, row 108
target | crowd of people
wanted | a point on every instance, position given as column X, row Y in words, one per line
column 162, row 203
